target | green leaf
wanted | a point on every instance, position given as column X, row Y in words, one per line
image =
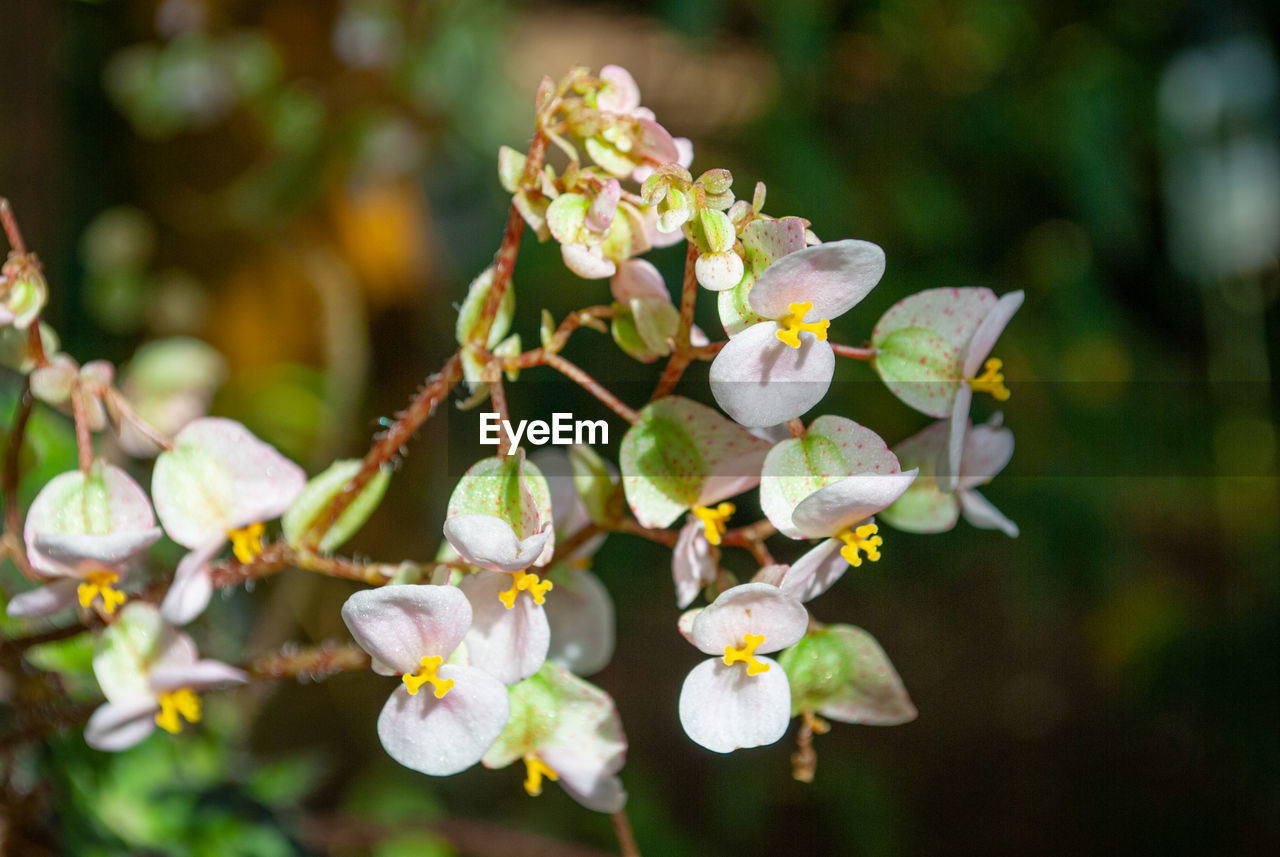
column 921, row 368
column 842, row 673
column 627, row 335
column 320, row 491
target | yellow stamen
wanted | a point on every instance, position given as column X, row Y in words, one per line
column 991, row 381
column 794, row 324
column 99, row 583
column 246, row 542
column 713, row 520
column 863, row 537
column 535, row 770
column 747, row 654
column 526, row 582
column 430, row 663
column 182, row 702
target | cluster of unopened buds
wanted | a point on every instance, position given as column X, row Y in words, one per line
column 490, row 639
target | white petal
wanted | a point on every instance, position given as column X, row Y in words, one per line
column 761, row 381
column 638, row 278
column 445, row 736
column 984, row 338
column 399, row 625
column 108, row 549
column 580, row 615
column 842, row 504
column 833, row 276
column 987, row 449
column 815, row 572
column 115, row 726
column 719, row 271
column 750, row 608
column 949, row 463
column 202, row 675
column 510, row 645
column 490, row 542
column 691, row 564
column 979, row 512
column 724, row 709
column 192, row 587
column 586, row 781
column 587, row 262
column 45, row 600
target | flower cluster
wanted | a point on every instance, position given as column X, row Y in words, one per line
column 490, row 642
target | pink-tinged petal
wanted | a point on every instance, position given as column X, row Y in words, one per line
column 655, row 143
column 219, row 477
column 950, row 462
column 760, row 381
column 984, row 338
column 620, row 93
column 766, row 241
column 638, row 278
column 771, row 574
column 685, row 623
column 842, row 504
column 445, row 736
column 580, row 615
column 489, row 542
column 750, row 608
column 72, row 549
column 399, row 625
column 116, row 726
column 45, row 600
column 724, row 709
column 604, row 207
column 192, row 587
column 834, row 277
column 954, row 314
column 979, row 512
column 987, row 449
column 509, row 644
column 691, row 565
column 109, row 503
column 201, row 675
column 924, row 449
column 587, row 262
column 130, row 646
column 719, row 271
column 816, row 571
column 585, row 780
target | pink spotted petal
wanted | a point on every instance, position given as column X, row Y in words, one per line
column 399, row 625
column 984, row 338
column 603, row 208
column 950, row 462
column 761, row 381
column 954, row 314
column 45, row 600
column 719, row 271
column 691, row 565
column 833, row 277
column 979, row 512
column 842, row 504
column 724, row 709
column 445, row 736
column 489, row 542
column 116, row 726
column 816, row 571
column 510, row 645
column 192, row 587
column 750, row 608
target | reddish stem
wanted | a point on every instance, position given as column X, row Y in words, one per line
column 796, row 427
column 853, row 351
column 683, row 351
column 11, row 230
column 622, row 829
column 591, row 385
column 419, row 410
column 498, row 398
column 84, row 438
column 12, row 479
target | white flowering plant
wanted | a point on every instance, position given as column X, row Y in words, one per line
column 489, row 645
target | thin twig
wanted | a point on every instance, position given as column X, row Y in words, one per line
column 683, row 353
column 622, row 829
column 591, row 385
column 11, row 230
column 853, row 351
column 12, row 479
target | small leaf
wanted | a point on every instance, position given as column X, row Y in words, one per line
column 510, row 168
column 596, row 484
column 320, row 491
column 469, row 320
